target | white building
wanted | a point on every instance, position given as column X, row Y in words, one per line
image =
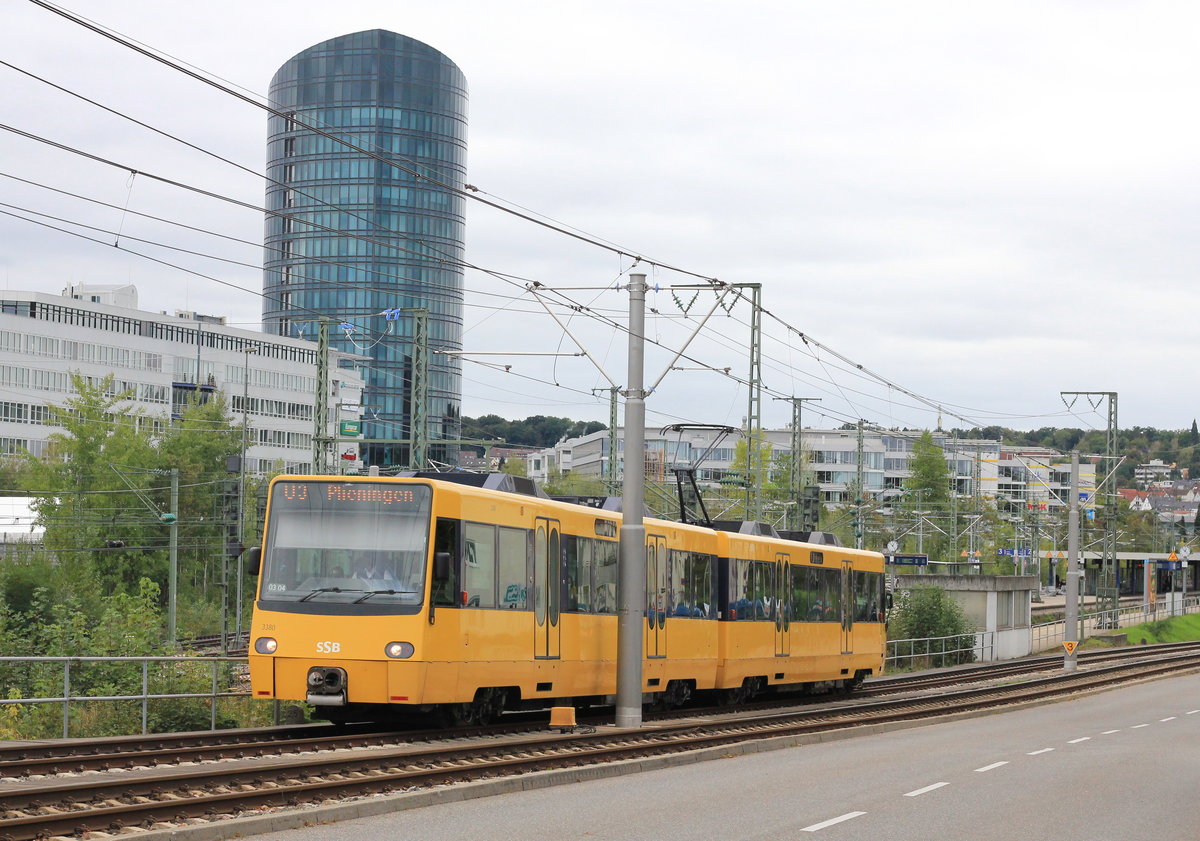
column 1040, row 478
column 19, row 531
column 832, row 457
column 1157, row 470
column 162, row 360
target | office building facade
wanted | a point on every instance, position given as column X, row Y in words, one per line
column 370, row 234
column 162, row 361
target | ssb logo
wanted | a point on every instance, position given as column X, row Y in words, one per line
column 329, row 647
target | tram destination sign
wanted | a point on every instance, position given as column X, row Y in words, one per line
column 321, row 494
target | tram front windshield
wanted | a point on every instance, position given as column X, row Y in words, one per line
column 346, row 543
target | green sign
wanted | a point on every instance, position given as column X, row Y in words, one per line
column 350, row 428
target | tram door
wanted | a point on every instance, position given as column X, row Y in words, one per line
column 847, row 608
column 547, row 586
column 656, row 596
column 783, row 604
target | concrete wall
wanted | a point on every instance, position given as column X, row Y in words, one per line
column 997, row 606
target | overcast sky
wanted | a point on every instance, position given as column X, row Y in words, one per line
column 984, row 203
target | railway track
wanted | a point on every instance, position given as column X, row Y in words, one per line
column 22, row 760
column 132, row 799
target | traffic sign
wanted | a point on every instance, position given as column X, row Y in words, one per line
column 1069, row 645
column 910, row 560
column 350, row 428
column 1172, row 556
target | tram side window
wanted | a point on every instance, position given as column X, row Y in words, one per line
column 764, row 590
column 803, row 596
column 678, row 581
column 604, row 572
column 579, row 552
column 831, row 594
column 868, row 597
column 512, row 568
column 479, row 565
column 700, row 586
column 818, row 598
column 742, row 573
column 691, row 584
column 752, row 595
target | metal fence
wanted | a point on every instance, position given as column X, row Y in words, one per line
column 177, row 679
column 935, row 652
column 1047, row 635
column 86, row 680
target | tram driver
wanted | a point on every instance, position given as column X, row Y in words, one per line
column 378, row 570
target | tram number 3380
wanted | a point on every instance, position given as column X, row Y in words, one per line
column 329, row 647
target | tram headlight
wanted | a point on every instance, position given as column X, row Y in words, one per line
column 265, row 645
column 399, row 650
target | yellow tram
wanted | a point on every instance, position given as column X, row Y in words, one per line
column 384, row 596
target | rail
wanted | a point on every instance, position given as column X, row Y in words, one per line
column 86, row 680
column 176, row 679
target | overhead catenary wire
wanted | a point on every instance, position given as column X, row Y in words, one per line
column 574, row 307
column 468, row 192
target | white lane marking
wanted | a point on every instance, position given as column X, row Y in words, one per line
column 991, row 767
column 819, row 826
column 1081, row 739
column 1136, row 726
column 1168, row 718
column 1193, row 712
column 925, row 790
column 1110, row 732
column 1036, row 752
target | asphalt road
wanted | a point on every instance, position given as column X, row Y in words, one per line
column 1120, row 765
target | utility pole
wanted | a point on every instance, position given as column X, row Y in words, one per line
column 1108, row 587
column 610, row 466
column 631, row 597
column 755, row 468
column 173, row 556
column 859, row 525
column 954, row 496
column 418, row 451
column 321, row 405
column 920, row 523
column 796, row 475
column 1071, row 619
column 241, row 509
column 1035, row 551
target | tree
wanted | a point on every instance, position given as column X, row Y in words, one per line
column 926, row 613
column 102, row 485
column 82, row 500
column 197, row 445
column 928, row 491
column 514, row 466
column 752, row 458
column 573, row 484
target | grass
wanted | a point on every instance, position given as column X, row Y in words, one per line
column 1176, row 629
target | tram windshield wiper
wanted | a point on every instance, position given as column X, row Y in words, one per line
column 327, row 590
column 370, row 593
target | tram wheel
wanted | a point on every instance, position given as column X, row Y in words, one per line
column 677, row 694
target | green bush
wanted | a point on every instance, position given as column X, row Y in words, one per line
column 936, row 624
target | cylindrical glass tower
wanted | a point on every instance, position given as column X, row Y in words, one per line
column 354, row 239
